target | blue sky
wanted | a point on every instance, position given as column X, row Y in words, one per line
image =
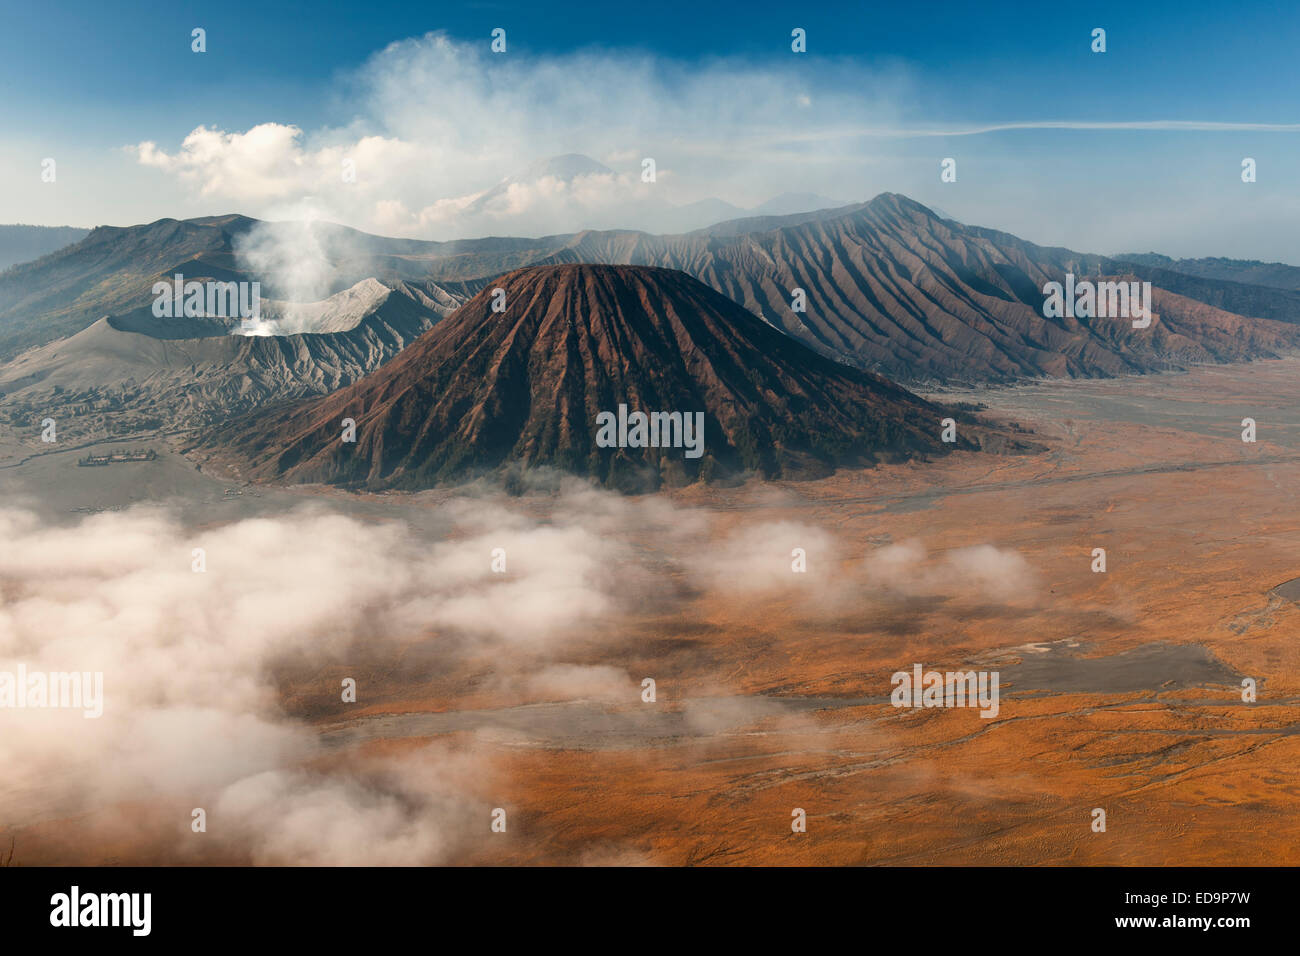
column 88, row 83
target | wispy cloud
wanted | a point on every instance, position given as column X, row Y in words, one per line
column 1188, row 126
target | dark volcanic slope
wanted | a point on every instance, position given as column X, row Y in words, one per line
column 484, row 390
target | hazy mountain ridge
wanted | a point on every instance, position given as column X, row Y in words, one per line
column 1240, row 298
column 22, row 243
column 1274, row 275
column 890, row 286
column 112, row 271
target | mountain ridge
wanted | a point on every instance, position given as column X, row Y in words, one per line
column 889, row 286
column 485, row 392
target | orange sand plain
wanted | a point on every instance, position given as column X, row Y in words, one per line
column 1198, row 528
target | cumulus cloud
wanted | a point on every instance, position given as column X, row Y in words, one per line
column 391, row 811
column 762, row 558
column 983, row 571
column 268, row 161
column 759, row 561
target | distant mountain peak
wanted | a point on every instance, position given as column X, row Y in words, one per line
column 791, row 203
column 567, row 167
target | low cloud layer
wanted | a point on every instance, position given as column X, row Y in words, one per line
column 194, row 716
column 190, row 709
column 794, row 560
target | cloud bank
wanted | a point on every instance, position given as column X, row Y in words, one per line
column 196, row 712
column 191, row 711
